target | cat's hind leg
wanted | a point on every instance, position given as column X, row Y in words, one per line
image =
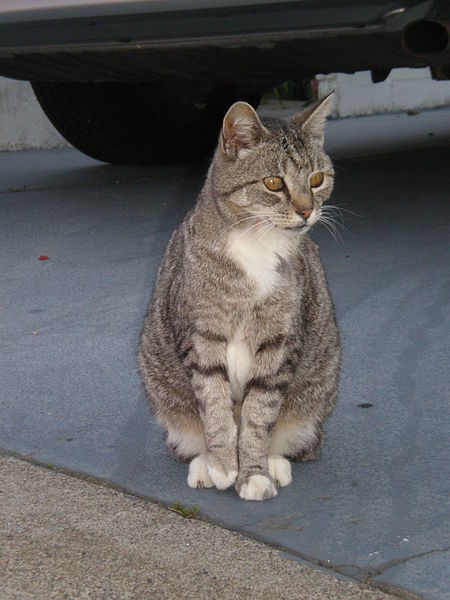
column 312, row 451
column 280, row 470
column 185, row 441
column 295, row 439
column 188, row 444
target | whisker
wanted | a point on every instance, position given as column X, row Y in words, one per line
column 331, row 219
column 331, row 226
column 339, row 167
column 331, row 216
column 253, row 226
column 340, row 208
column 340, row 224
column 266, row 230
column 237, row 223
column 241, row 221
column 328, row 228
column 329, row 147
column 246, row 212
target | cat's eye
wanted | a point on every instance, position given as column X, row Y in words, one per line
column 274, row 184
column 316, row 180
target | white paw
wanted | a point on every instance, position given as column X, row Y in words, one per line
column 258, row 487
column 198, row 473
column 220, row 479
column 280, row 470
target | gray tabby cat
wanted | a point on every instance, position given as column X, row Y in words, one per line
column 239, row 352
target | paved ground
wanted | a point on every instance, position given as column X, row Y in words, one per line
column 67, row 538
column 375, row 506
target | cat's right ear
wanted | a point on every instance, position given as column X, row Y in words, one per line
column 241, row 129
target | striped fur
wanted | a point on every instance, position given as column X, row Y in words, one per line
column 239, row 351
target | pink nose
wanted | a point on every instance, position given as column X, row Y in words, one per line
column 306, row 213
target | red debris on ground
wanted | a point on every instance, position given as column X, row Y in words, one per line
column 43, row 257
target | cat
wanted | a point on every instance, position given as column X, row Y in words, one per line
column 239, row 351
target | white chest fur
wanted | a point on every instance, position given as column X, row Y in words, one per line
column 259, row 256
column 239, row 363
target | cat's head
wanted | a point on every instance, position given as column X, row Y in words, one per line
column 274, row 171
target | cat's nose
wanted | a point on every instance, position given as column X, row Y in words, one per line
column 306, row 213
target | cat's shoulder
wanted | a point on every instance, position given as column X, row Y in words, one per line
column 307, row 247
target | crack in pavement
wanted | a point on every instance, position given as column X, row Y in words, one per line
column 28, row 189
column 400, row 561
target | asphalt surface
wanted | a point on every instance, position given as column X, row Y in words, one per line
column 375, row 506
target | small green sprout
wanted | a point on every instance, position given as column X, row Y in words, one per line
column 184, row 511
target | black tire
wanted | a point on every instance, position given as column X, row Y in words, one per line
column 134, row 123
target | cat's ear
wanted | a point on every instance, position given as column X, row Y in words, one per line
column 313, row 118
column 241, row 129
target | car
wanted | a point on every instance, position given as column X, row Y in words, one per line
column 144, row 82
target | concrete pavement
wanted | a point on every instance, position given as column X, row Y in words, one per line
column 62, row 537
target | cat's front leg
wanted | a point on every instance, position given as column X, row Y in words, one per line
column 260, row 409
column 209, row 379
column 213, row 393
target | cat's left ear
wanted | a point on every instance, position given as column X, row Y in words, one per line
column 241, row 129
column 313, row 118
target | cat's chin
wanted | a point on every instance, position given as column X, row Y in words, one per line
column 300, row 228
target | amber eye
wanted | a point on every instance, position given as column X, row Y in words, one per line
column 316, row 180
column 274, row 184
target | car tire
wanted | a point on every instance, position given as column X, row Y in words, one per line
column 135, row 123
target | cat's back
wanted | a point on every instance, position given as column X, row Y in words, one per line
column 312, row 270
column 170, row 270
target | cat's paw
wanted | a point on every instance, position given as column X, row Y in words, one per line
column 198, row 473
column 221, row 477
column 280, row 470
column 257, row 487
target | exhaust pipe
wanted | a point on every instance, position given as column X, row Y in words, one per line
column 425, row 37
